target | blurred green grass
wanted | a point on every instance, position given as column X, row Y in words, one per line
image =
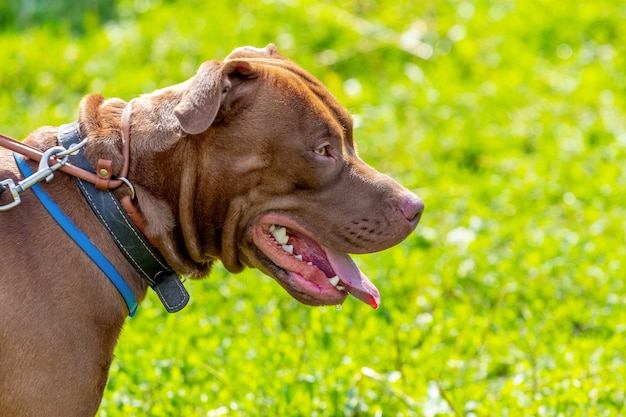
column 507, row 117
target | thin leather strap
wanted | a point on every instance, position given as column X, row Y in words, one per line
column 36, row 155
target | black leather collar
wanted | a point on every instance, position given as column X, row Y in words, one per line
column 131, row 242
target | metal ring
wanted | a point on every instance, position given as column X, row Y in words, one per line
column 128, row 183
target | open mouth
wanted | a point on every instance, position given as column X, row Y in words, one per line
column 309, row 271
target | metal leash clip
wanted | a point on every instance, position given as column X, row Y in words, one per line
column 43, row 172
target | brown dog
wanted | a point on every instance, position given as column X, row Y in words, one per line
column 251, row 162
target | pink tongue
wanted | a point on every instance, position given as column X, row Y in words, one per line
column 353, row 279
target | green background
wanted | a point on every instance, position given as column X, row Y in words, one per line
column 507, row 117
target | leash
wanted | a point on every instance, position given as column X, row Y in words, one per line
column 120, row 217
column 45, row 171
column 36, row 155
column 49, row 162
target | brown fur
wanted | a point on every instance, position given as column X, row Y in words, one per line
column 209, row 157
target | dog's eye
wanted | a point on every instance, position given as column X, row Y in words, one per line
column 323, row 151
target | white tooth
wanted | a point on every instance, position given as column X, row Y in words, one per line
column 309, row 263
column 274, row 230
column 280, row 234
column 288, row 248
column 298, row 257
column 340, row 287
column 334, row 280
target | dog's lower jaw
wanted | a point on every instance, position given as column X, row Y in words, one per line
column 311, row 273
column 292, row 282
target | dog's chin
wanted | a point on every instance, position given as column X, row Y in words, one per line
column 310, row 272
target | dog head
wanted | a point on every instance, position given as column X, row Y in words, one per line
column 253, row 162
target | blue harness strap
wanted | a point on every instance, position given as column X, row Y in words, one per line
column 81, row 240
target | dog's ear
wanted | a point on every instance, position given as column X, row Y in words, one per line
column 201, row 100
column 269, row 51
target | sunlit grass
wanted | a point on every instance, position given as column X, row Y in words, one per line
column 506, row 117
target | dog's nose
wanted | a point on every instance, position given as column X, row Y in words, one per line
column 412, row 209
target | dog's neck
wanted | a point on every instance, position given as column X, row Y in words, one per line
column 190, row 247
column 167, row 226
